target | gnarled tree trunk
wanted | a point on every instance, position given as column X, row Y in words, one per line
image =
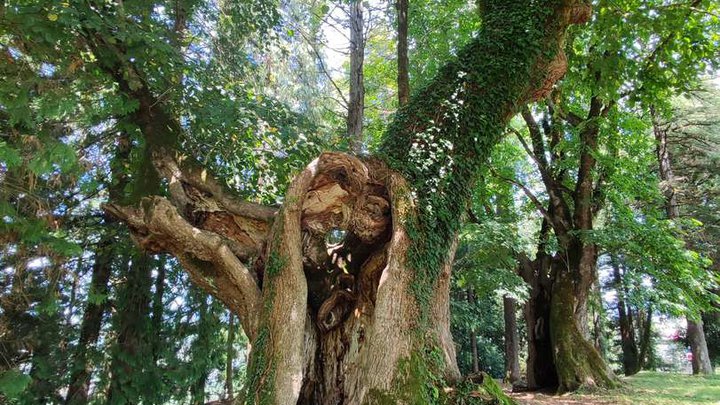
column 344, row 291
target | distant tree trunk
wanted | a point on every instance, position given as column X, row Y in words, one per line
column 356, row 100
column 132, row 355
column 92, row 321
column 695, row 331
column 158, row 309
column 630, row 358
column 473, row 337
column 230, row 356
column 366, row 320
column 105, row 252
column 403, row 79
column 201, row 345
column 598, row 326
column 698, row 346
column 45, row 364
column 512, row 340
column 646, row 335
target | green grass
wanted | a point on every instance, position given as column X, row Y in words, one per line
column 661, row 389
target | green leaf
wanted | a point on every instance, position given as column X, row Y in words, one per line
column 13, row 383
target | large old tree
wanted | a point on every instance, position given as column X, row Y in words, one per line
column 344, row 290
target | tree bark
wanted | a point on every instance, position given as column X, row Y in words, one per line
column 698, row 346
column 403, row 76
column 230, row 356
column 695, row 331
column 512, row 341
column 630, row 357
column 366, row 320
column 356, row 101
column 540, row 367
column 473, row 338
column 646, row 336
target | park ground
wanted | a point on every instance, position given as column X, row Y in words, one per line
column 651, row 388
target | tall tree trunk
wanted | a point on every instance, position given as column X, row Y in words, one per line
column 600, row 341
column 230, row 356
column 646, row 336
column 356, row 102
column 158, row 308
column 105, row 251
column 78, row 388
column 367, row 322
column 512, row 340
column 695, row 331
column 698, row 346
column 201, row 346
column 403, row 77
column 473, row 338
column 630, row 357
column 132, row 356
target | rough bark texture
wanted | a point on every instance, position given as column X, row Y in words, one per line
column 696, row 335
column 364, row 320
column 512, row 341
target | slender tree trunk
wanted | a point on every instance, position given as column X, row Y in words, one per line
column 512, row 341
column 403, row 78
column 646, row 336
column 78, row 389
column 201, row 345
column 356, row 100
column 473, row 338
column 598, row 322
column 630, row 357
column 158, row 309
column 230, row 356
column 695, row 331
column 132, row 357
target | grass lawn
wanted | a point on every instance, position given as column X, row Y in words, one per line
column 649, row 388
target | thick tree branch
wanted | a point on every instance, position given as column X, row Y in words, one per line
column 158, row 227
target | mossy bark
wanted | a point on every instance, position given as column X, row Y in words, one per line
column 577, row 362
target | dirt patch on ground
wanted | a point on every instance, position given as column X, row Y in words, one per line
column 540, row 398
